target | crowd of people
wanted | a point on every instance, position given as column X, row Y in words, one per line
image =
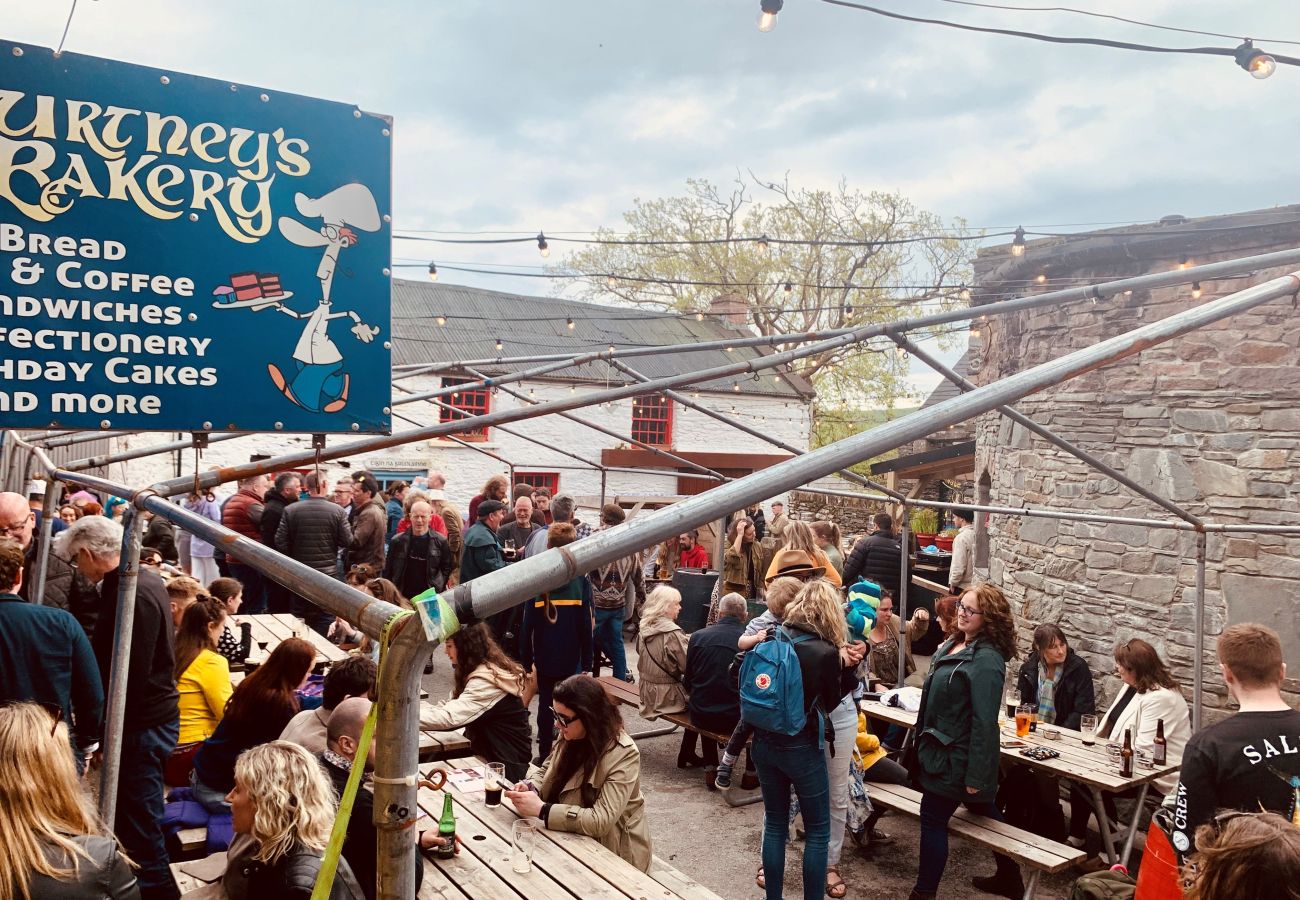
column 263, row 768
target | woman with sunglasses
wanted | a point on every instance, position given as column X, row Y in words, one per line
column 486, row 700
column 956, row 751
column 54, row 847
column 591, row 782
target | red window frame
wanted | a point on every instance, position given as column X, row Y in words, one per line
column 548, row 480
column 475, row 402
column 652, row 419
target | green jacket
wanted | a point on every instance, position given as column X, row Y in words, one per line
column 956, row 744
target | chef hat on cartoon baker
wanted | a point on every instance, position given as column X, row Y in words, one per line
column 351, row 204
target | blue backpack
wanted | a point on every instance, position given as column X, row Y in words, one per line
column 771, row 685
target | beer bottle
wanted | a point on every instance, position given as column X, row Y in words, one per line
column 447, row 829
column 1126, row 755
column 1159, row 752
column 245, row 640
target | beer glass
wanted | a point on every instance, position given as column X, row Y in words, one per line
column 1088, row 725
column 494, row 780
column 1024, row 715
column 523, row 837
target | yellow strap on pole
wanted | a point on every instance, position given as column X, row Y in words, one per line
column 330, row 862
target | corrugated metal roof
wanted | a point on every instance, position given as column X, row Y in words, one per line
column 477, row 318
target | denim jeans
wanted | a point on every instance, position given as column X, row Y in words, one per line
column 935, row 813
column 844, row 718
column 140, row 807
column 786, row 762
column 317, row 619
column 609, row 638
column 213, row 801
column 254, row 588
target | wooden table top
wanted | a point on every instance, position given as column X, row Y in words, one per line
column 565, row 865
column 1092, row 766
column 270, row 629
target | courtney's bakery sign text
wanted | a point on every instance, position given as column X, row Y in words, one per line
column 55, row 151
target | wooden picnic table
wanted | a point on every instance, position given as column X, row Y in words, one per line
column 565, row 865
column 271, row 629
column 1092, row 767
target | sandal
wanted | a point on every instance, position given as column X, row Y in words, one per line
column 836, row 888
column 760, row 880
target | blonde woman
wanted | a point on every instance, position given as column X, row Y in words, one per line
column 814, row 622
column 798, row 536
column 661, row 663
column 282, row 810
column 54, row 847
column 826, row 534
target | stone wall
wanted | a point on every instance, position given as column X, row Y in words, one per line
column 1209, row 420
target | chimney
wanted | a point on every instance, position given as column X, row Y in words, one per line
column 730, row 309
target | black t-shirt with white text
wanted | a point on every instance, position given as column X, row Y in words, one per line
column 415, row 580
column 1249, row 761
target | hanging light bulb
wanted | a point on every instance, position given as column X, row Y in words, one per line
column 762, row 244
column 499, row 344
column 1196, row 290
column 441, row 320
column 789, row 288
column 1184, row 263
column 695, row 395
column 964, row 295
column 1258, row 63
column 612, row 280
column 975, row 331
column 848, row 309
column 731, row 349
column 699, row 317
column 573, row 389
column 612, row 348
column 543, row 247
column 570, row 324
column 433, row 272
column 767, row 14
column 1041, row 278
column 1018, row 243
column 735, row 386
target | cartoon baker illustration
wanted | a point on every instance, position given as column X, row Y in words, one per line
column 319, row 382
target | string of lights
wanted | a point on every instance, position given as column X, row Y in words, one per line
column 1098, row 15
column 1255, row 61
column 765, row 242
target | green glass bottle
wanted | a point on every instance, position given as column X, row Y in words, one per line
column 447, row 829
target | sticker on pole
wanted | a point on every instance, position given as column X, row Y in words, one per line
column 185, row 254
column 436, row 615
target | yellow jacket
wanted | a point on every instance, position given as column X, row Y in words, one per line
column 204, row 688
column 868, row 744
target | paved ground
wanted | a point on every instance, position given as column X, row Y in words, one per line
column 694, row 830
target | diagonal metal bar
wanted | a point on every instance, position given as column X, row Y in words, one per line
column 609, row 432
column 965, row 384
column 104, row 459
column 678, row 397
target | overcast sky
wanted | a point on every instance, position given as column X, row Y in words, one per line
column 514, row 116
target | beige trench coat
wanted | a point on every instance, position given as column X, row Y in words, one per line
column 660, row 664
column 608, row 806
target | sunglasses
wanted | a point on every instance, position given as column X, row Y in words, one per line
column 565, row 721
column 54, row 711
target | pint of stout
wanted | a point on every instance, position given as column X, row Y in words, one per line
column 493, row 783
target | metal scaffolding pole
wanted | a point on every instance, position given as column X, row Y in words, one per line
column 1099, row 291
column 678, row 397
column 1198, row 661
column 118, row 674
column 49, row 509
column 96, row 462
column 965, row 384
column 608, row 432
column 904, row 587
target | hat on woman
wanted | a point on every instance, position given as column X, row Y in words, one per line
column 796, row 563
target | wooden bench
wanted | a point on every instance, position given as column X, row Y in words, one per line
column 1026, row 848
column 626, row 694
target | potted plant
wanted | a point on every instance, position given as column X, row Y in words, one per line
column 925, row 525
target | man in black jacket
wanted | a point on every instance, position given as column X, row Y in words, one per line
column 876, row 557
column 313, row 531
column 419, row 558
column 151, row 722
column 714, row 704
column 284, row 492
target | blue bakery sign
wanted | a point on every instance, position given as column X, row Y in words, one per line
column 185, row 254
